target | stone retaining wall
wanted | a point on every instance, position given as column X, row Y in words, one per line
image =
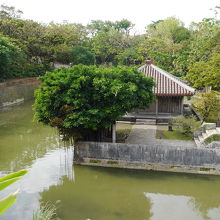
column 17, row 90
column 137, row 156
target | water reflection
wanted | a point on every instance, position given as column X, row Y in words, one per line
column 21, row 140
column 100, row 193
column 92, row 192
column 44, row 173
column 177, row 207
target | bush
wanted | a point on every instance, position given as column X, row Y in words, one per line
column 208, row 105
column 186, row 126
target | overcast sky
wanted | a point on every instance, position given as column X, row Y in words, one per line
column 140, row 12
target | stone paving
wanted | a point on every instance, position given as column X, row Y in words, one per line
column 146, row 134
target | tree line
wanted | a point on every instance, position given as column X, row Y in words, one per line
column 29, row 48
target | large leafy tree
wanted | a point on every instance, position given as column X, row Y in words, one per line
column 11, row 59
column 110, row 39
column 167, row 43
column 170, row 30
column 9, row 12
column 205, row 73
column 98, row 25
column 83, row 100
column 107, row 45
column 205, row 39
column 81, row 55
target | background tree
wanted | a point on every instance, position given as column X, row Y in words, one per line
column 97, row 25
column 205, row 39
column 11, row 59
column 9, row 12
column 170, row 30
column 205, row 74
column 166, row 41
column 83, row 55
column 107, row 45
column 184, row 52
column 84, row 100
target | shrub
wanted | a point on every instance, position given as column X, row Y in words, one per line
column 186, row 126
column 208, row 105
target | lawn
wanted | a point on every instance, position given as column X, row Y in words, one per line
column 172, row 135
column 122, row 131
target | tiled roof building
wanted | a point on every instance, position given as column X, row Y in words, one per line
column 169, row 91
column 166, row 84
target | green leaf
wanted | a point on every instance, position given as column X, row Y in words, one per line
column 6, row 183
column 13, row 175
column 8, row 202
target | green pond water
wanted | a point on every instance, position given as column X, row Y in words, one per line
column 94, row 193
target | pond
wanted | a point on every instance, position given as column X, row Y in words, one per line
column 81, row 192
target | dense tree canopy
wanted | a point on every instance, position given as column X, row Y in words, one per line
column 190, row 53
column 77, row 55
column 11, row 59
column 89, row 98
column 206, row 73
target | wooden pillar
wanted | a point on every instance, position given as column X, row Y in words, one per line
column 114, row 133
column 181, row 107
column 156, row 107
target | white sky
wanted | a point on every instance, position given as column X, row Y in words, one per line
column 140, row 12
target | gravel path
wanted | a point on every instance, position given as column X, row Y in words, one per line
column 146, row 134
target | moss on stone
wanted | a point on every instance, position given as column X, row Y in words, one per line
column 95, row 161
column 206, row 169
column 175, row 167
column 112, row 162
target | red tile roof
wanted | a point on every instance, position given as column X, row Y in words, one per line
column 166, row 84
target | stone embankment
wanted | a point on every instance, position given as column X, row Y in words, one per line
column 150, row 157
column 17, row 90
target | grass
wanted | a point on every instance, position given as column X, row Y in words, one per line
column 122, row 131
column 214, row 137
column 172, row 135
column 45, row 212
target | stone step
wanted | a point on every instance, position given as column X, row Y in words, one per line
column 201, row 139
column 162, row 123
column 218, row 130
column 198, row 144
column 204, row 135
column 140, row 121
column 211, row 132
